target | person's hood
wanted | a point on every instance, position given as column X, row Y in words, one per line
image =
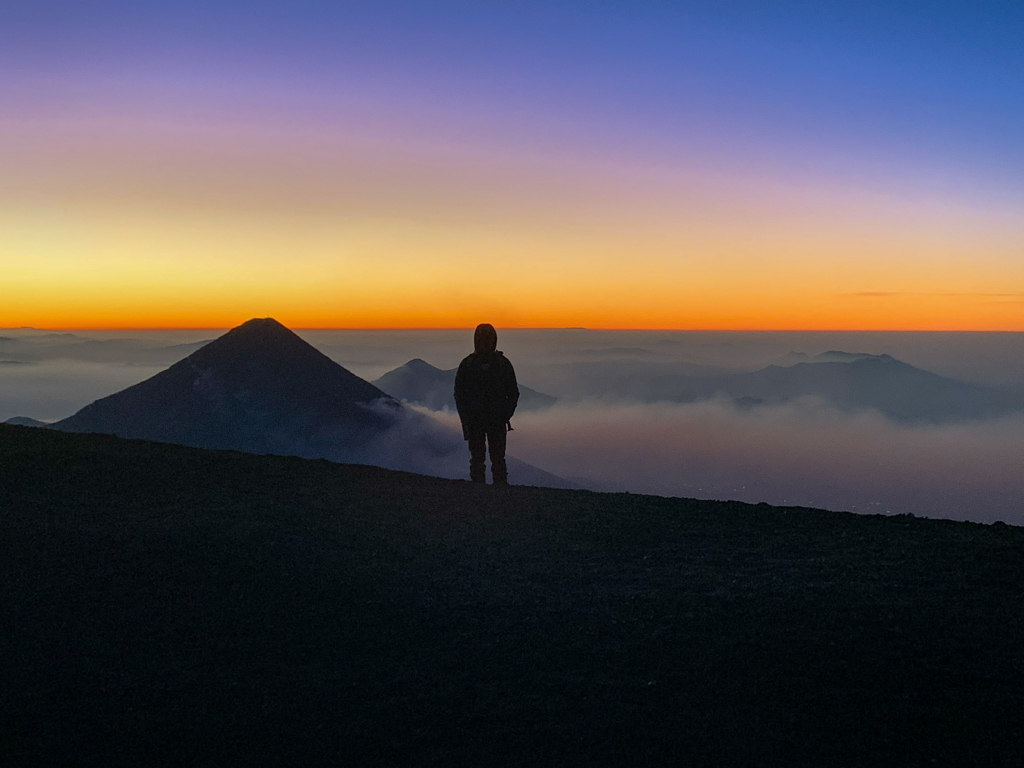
column 485, row 338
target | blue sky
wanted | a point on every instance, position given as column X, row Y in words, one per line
column 908, row 103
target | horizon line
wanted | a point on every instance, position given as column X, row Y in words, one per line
column 55, row 329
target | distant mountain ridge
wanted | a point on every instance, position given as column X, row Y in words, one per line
column 835, row 356
column 421, row 383
column 69, row 346
column 881, row 382
column 845, row 380
column 25, row 421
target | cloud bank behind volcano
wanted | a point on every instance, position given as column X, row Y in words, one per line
column 804, row 453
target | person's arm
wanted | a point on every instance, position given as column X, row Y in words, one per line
column 512, row 390
column 460, row 396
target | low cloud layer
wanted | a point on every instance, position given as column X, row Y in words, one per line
column 54, row 389
column 804, row 453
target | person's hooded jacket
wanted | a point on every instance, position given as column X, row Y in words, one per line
column 486, row 392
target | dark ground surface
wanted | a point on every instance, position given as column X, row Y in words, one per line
column 173, row 606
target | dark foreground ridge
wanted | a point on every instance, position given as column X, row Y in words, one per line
column 165, row 605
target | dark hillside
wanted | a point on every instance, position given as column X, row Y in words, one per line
column 164, row 605
column 257, row 388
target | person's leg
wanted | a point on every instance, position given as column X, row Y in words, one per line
column 477, row 454
column 496, row 438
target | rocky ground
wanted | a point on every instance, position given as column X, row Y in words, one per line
column 173, row 606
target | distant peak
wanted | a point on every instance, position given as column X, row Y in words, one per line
column 25, row 421
column 259, row 336
column 835, row 355
column 421, row 365
column 260, row 327
column 261, row 323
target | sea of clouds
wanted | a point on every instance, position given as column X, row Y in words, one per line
column 804, row 453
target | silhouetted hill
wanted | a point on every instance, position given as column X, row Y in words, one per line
column 25, row 421
column 260, row 388
column 421, row 383
column 895, row 388
column 168, row 606
column 833, row 356
column 849, row 381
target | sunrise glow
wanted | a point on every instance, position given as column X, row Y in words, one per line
column 371, row 168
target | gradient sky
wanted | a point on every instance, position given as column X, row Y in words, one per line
column 720, row 165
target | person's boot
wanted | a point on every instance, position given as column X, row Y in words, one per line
column 477, row 468
column 477, row 458
column 500, row 474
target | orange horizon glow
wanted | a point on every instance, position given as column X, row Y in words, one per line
column 220, row 328
column 835, row 313
column 153, row 233
column 650, row 174
column 908, row 314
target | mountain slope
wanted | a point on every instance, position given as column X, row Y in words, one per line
column 172, row 606
column 257, row 388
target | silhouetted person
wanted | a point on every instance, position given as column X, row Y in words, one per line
column 486, row 395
